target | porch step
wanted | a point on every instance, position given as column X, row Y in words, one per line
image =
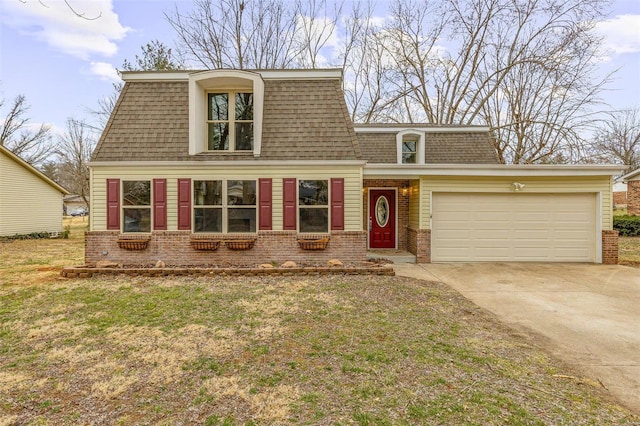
column 396, row 256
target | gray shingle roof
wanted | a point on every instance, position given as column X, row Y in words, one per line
column 303, row 120
column 473, row 147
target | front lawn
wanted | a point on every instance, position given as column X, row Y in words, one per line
column 629, row 251
column 266, row 350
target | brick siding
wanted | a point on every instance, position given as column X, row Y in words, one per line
column 610, row 247
column 419, row 244
column 174, row 248
column 633, row 197
column 620, row 198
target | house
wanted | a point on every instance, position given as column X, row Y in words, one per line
column 245, row 167
column 632, row 179
column 30, row 202
column 74, row 203
column 619, row 194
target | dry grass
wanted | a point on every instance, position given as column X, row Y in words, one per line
column 265, row 350
column 629, row 251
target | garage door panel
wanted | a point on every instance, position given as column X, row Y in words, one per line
column 513, row 227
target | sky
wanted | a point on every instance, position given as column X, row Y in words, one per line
column 64, row 64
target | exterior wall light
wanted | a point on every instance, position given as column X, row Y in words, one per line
column 517, row 186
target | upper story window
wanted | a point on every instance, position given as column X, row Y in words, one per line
column 409, row 151
column 225, row 112
column 410, row 147
column 136, row 205
column 230, row 124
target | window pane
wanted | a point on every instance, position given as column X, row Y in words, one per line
column 244, row 136
column 314, row 220
column 409, row 158
column 241, row 192
column 207, row 192
column 218, row 106
column 218, row 136
column 136, row 193
column 313, row 193
column 244, row 106
column 137, row 220
column 241, row 220
column 409, row 149
column 208, row 220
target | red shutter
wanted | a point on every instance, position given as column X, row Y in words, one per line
column 184, row 204
column 337, row 204
column 289, row 204
column 113, row 203
column 265, row 204
column 160, row 204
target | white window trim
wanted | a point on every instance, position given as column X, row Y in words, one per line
column 123, row 207
column 223, row 81
column 419, row 149
column 224, row 206
column 326, row 206
column 231, row 119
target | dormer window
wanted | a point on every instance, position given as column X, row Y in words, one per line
column 225, row 112
column 230, row 124
column 409, row 151
column 410, row 147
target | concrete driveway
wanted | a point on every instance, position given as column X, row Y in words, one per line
column 587, row 315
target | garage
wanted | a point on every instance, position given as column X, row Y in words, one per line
column 521, row 227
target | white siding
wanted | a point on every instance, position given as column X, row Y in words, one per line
column 27, row 203
column 351, row 175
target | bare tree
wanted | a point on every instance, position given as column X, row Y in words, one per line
column 618, row 139
column 74, row 150
column 255, row 34
column 523, row 67
column 31, row 144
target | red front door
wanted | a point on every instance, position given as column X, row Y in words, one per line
column 382, row 218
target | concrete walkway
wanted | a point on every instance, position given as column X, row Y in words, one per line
column 587, row 315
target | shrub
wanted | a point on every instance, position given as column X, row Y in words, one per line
column 627, row 226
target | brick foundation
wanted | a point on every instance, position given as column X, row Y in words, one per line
column 633, row 197
column 174, row 248
column 610, row 247
column 419, row 244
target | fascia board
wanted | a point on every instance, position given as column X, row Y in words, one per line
column 629, row 175
column 406, row 170
column 154, row 76
column 452, row 129
column 266, row 74
column 229, row 164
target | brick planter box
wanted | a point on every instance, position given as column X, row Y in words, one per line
column 88, row 272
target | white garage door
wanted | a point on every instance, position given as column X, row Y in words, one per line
column 513, row 227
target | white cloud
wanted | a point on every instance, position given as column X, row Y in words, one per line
column 104, row 70
column 54, row 23
column 621, row 34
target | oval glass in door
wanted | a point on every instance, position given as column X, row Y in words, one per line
column 382, row 211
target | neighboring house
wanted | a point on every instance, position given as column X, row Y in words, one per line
column 245, row 167
column 29, row 201
column 73, row 203
column 619, row 194
column 632, row 180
